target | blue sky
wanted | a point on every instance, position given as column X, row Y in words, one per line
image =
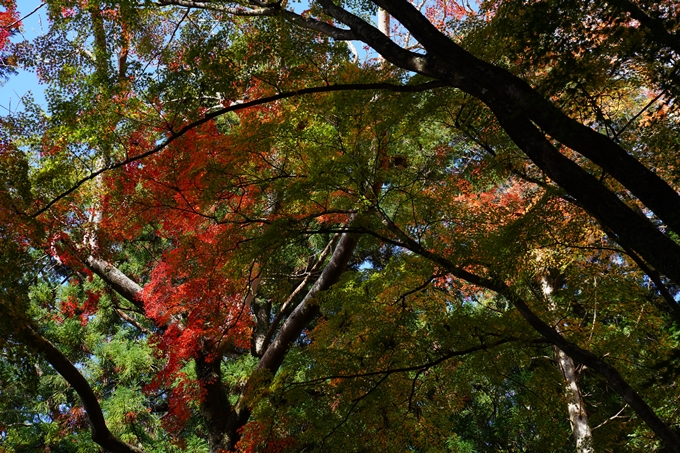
column 19, row 84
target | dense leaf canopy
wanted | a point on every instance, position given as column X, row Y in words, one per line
column 342, row 226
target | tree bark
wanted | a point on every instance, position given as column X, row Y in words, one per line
column 384, row 22
column 117, row 280
column 307, row 310
column 100, row 432
column 578, row 417
column 221, row 418
column 577, row 412
column 298, row 320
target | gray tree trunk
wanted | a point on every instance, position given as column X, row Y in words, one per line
column 576, row 407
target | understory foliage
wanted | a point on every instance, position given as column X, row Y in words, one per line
column 268, row 227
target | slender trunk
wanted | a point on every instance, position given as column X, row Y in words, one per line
column 580, row 355
column 577, row 413
column 384, row 22
column 575, row 405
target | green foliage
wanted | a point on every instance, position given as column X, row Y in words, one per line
column 230, row 225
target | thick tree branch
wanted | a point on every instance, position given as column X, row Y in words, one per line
column 375, row 38
column 117, row 280
column 307, row 310
column 631, row 229
column 284, row 307
column 496, row 86
column 100, row 432
column 298, row 320
column 222, row 420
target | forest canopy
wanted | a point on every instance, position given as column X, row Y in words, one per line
column 341, row 226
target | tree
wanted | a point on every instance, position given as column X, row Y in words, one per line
column 226, row 233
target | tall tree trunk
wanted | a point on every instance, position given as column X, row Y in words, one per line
column 578, row 417
column 577, row 413
column 221, row 418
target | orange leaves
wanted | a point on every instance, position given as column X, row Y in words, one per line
column 256, row 438
column 443, row 11
column 182, row 394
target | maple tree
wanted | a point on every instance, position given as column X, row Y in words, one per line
column 231, row 231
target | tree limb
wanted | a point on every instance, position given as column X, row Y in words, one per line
column 100, row 432
column 499, row 88
column 117, row 280
column 307, row 310
column 233, row 108
column 375, row 38
column 284, row 307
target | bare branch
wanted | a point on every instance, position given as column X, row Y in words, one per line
column 234, row 11
column 16, row 22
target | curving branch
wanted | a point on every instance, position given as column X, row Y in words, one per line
column 375, row 38
column 100, row 432
column 234, row 11
column 174, row 135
